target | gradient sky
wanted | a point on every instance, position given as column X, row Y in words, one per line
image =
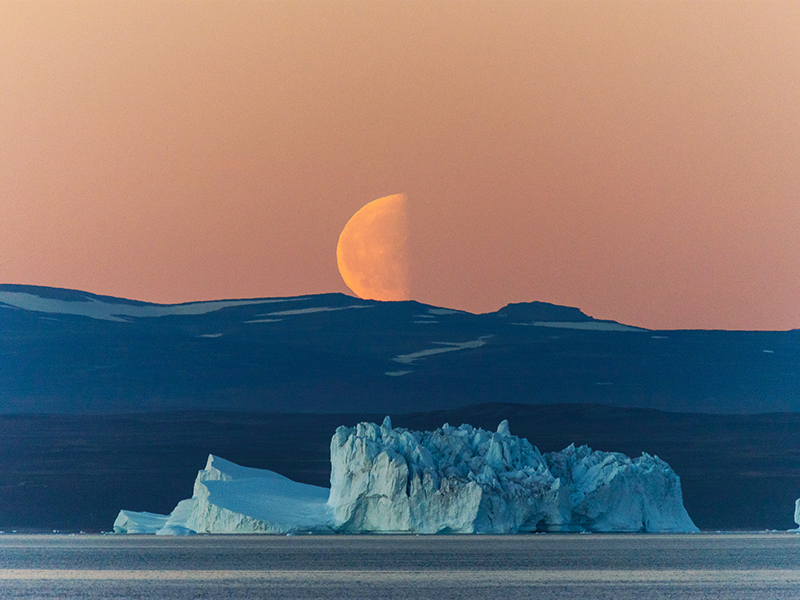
column 638, row 160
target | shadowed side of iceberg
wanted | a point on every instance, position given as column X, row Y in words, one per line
column 612, row 492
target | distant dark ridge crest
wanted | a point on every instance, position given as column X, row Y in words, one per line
column 542, row 311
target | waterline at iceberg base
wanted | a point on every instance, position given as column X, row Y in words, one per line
column 450, row 480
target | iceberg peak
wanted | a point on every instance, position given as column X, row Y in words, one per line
column 502, row 428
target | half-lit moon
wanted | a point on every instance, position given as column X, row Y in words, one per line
column 372, row 252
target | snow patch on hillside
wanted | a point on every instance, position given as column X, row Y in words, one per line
column 263, row 321
column 316, row 309
column 410, row 359
column 112, row 311
column 585, row 325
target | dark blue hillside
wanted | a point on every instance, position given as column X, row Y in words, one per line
column 334, row 353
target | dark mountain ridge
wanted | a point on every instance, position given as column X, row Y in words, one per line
column 66, row 351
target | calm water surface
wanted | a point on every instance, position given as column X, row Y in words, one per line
column 737, row 566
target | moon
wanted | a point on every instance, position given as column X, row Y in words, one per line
column 372, row 252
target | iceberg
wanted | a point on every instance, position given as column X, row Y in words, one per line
column 450, row 480
column 229, row 498
column 797, row 514
column 232, row 499
column 129, row 521
column 467, row 480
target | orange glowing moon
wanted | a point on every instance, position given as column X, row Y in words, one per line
column 372, row 252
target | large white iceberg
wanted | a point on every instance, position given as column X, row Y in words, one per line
column 467, row 480
column 451, row 480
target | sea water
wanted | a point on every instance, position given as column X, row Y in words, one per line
column 734, row 566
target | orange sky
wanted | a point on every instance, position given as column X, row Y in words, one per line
column 638, row 160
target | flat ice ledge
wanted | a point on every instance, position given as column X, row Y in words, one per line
column 129, row 521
